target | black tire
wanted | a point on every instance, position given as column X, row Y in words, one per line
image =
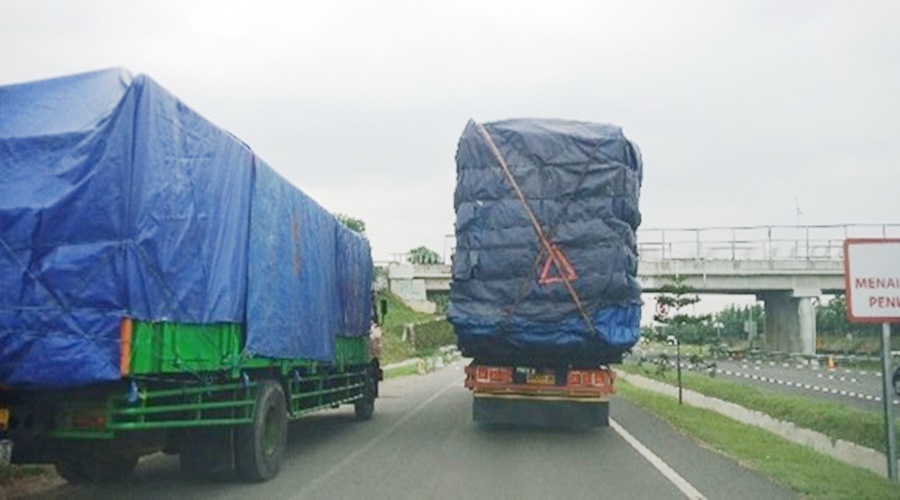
column 365, row 407
column 96, row 469
column 260, row 445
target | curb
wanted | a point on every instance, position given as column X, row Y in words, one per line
column 447, row 354
column 845, row 451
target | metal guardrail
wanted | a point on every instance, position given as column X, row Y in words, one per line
column 760, row 243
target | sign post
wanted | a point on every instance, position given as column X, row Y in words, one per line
column 872, row 274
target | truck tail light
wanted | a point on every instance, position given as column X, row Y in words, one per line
column 589, row 378
column 493, row 374
column 94, row 420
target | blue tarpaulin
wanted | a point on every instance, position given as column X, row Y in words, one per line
column 579, row 182
column 117, row 200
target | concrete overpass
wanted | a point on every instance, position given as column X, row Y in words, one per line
column 784, row 266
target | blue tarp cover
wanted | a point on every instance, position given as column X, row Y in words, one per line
column 581, row 181
column 117, row 200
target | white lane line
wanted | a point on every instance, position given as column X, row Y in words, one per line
column 312, row 485
column 667, row 472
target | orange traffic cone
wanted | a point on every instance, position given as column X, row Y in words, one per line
column 829, row 362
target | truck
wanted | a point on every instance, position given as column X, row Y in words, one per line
column 544, row 296
column 164, row 289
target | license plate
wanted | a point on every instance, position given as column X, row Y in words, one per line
column 4, row 419
column 541, row 378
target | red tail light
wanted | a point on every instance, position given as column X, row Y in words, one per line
column 589, row 378
column 89, row 420
column 493, row 375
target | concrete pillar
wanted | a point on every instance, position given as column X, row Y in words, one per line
column 791, row 321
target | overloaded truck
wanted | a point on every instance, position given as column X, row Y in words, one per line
column 544, row 296
column 163, row 289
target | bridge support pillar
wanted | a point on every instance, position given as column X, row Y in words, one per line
column 791, row 321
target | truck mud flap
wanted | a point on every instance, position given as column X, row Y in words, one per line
column 539, row 413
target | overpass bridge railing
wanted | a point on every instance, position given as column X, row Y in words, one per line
column 760, row 243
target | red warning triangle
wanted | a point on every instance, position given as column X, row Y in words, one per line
column 557, row 262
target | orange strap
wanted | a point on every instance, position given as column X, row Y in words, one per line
column 125, row 331
column 561, row 263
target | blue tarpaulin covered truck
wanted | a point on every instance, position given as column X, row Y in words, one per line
column 544, row 294
column 163, row 288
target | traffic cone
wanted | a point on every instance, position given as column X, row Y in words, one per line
column 829, row 362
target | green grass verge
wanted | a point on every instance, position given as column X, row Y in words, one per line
column 802, row 469
column 10, row 473
column 401, row 371
column 393, row 348
column 834, row 420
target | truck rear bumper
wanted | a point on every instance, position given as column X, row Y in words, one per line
column 489, row 409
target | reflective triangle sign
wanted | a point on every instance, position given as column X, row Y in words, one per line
column 556, row 268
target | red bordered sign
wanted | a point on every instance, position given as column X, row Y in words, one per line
column 872, row 280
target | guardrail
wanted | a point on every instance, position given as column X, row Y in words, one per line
column 765, row 243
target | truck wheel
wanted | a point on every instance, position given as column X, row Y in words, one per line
column 260, row 444
column 365, row 407
column 95, row 469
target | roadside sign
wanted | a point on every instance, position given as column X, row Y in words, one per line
column 872, row 280
column 872, row 274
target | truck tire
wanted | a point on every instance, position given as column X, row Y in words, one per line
column 95, row 469
column 260, row 444
column 365, row 407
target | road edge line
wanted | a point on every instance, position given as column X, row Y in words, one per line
column 312, row 485
column 668, row 472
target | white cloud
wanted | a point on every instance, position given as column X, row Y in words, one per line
column 740, row 108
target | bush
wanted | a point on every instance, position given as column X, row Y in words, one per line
column 433, row 334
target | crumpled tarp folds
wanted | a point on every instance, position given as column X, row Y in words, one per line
column 581, row 182
column 117, row 200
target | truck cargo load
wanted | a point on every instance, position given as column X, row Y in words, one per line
column 163, row 289
column 545, row 262
column 118, row 201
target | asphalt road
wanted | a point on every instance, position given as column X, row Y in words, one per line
column 857, row 388
column 423, row 444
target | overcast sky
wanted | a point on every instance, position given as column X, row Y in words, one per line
column 743, row 110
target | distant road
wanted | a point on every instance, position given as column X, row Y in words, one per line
column 858, row 388
column 423, row 444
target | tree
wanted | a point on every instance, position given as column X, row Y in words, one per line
column 352, row 223
column 423, row 255
column 673, row 298
column 732, row 319
column 831, row 318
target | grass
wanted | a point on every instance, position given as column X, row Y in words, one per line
column 834, row 420
column 802, row 469
column 10, row 473
column 393, row 348
column 401, row 371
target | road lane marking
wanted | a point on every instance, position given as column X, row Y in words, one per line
column 681, row 483
column 312, row 485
